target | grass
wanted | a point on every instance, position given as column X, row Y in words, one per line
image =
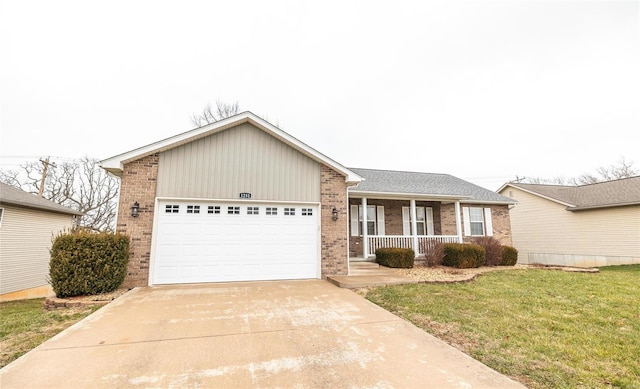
column 543, row 328
column 24, row 325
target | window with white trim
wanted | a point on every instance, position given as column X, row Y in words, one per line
column 253, row 211
column 213, row 210
column 171, row 208
column 375, row 220
column 477, row 221
column 193, row 209
column 307, row 211
column 233, row 210
column 424, row 221
column 289, row 211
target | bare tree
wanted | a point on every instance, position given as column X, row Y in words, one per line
column 211, row 114
column 78, row 184
column 622, row 169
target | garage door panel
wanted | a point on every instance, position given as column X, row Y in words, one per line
column 218, row 247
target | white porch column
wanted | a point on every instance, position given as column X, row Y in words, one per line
column 414, row 226
column 458, row 222
column 365, row 238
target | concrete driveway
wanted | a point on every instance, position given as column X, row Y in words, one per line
column 304, row 334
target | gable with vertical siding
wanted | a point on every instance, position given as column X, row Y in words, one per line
column 237, row 160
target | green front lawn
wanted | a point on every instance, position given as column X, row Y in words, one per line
column 544, row 328
column 24, row 325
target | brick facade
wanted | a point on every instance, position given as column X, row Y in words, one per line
column 501, row 224
column 138, row 183
column 333, row 193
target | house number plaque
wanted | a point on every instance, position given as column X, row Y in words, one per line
column 245, row 195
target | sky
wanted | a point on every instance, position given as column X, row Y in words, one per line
column 484, row 90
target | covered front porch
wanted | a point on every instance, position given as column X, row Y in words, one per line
column 405, row 222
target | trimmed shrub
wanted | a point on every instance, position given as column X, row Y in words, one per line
column 509, row 256
column 492, row 249
column 463, row 255
column 396, row 257
column 85, row 263
column 433, row 252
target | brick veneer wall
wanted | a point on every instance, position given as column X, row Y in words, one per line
column 501, row 224
column 333, row 193
column 138, row 183
column 500, row 221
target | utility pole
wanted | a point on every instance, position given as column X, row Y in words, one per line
column 46, row 164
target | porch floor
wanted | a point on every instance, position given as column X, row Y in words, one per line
column 364, row 274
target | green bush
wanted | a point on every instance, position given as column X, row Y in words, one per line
column 396, row 257
column 463, row 255
column 85, row 263
column 509, row 256
column 492, row 249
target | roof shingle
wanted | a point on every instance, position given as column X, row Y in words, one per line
column 15, row 196
column 625, row 191
column 423, row 184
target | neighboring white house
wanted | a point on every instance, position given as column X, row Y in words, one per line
column 587, row 225
column 27, row 224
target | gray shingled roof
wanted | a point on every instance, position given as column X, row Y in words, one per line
column 616, row 193
column 18, row 197
column 424, row 184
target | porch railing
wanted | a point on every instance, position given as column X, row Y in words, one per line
column 406, row 242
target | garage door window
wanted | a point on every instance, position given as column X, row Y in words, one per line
column 193, row 209
column 289, row 211
column 233, row 210
column 253, row 211
column 272, row 211
column 307, row 212
column 171, row 209
column 213, row 210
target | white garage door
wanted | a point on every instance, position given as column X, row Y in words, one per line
column 216, row 241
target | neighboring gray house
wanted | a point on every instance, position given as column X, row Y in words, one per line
column 586, row 225
column 240, row 200
column 27, row 224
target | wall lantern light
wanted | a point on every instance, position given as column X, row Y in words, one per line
column 334, row 214
column 135, row 210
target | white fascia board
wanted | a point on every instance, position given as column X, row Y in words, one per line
column 489, row 202
column 405, row 196
column 115, row 164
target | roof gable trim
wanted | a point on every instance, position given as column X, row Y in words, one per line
column 115, row 164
